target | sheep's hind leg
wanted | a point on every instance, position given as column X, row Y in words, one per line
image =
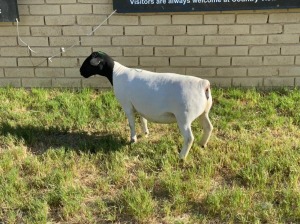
column 187, row 133
column 145, row 126
column 207, row 129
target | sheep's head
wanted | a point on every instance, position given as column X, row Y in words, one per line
column 98, row 63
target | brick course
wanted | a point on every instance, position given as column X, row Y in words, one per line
column 234, row 48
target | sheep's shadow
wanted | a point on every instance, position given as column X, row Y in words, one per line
column 40, row 139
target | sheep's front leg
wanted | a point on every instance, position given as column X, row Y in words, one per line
column 131, row 120
column 207, row 129
column 188, row 136
column 144, row 126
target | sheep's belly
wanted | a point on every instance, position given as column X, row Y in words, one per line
column 164, row 118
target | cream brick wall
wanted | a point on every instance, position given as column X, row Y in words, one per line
column 233, row 48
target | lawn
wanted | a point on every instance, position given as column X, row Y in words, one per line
column 65, row 158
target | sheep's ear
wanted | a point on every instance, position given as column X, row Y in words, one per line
column 95, row 61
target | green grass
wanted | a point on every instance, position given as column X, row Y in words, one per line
column 65, row 158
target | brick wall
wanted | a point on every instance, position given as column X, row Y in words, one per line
column 235, row 48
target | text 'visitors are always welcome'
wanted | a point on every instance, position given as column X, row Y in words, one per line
column 183, row 2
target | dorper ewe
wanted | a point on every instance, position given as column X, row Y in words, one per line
column 157, row 97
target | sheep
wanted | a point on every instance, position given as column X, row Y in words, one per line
column 157, row 97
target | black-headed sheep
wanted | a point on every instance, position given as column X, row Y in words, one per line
column 157, row 97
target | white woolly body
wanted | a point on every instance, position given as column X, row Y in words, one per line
column 164, row 98
column 159, row 97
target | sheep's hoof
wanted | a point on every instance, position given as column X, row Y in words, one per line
column 133, row 140
column 203, row 146
column 182, row 157
column 146, row 134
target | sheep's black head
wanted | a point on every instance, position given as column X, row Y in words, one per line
column 98, row 63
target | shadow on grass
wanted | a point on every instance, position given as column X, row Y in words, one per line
column 39, row 139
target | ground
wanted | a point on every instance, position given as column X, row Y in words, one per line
column 65, row 157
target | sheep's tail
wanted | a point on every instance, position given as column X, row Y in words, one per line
column 206, row 87
column 207, row 93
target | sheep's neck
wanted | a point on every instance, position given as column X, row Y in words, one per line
column 119, row 68
column 108, row 71
column 110, row 79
